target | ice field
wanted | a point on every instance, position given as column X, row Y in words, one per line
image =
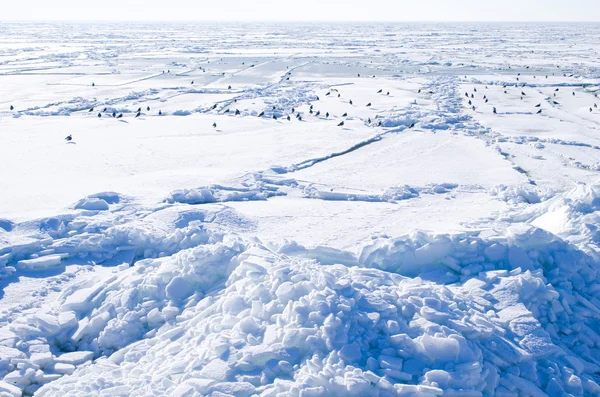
column 426, row 223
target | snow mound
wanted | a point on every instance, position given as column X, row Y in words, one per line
column 391, row 194
column 221, row 194
column 519, row 194
column 246, row 320
column 203, row 311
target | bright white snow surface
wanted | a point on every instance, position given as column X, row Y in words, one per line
column 426, row 247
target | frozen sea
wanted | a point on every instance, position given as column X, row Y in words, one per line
column 299, row 209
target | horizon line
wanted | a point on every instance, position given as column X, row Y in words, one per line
column 280, row 21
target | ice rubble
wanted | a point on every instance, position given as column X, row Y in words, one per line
column 514, row 313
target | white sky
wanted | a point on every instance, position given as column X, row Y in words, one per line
column 302, row 10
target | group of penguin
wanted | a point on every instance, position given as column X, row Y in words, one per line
column 316, row 113
column 523, row 94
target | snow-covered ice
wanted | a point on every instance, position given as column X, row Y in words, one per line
column 443, row 241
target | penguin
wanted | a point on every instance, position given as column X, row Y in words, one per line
column 495, row 110
column 13, row 108
column 287, row 79
column 350, row 102
column 228, row 87
column 359, row 75
column 573, row 93
column 419, row 91
column 93, row 85
column 379, row 123
column 227, row 111
column 311, row 107
column 339, row 95
column 388, row 93
column 214, row 106
column 486, row 101
column 538, row 105
column 379, row 92
column 274, row 117
column 104, row 110
column 595, row 105
column 310, row 111
column 288, row 117
column 261, row 114
column 556, row 103
column 89, row 111
column 318, row 113
column 327, row 114
column 539, row 111
column 114, row 114
column 341, row 124
column 148, row 108
column 192, row 82
column 137, row 115
column 273, row 107
column 345, row 115
column 139, row 110
column 214, row 125
column 467, row 94
column 299, row 118
column 472, row 96
column 68, row 138
column 412, row 125
column 237, row 112
column 369, row 120
column 329, row 93
column 318, row 98
column 293, row 110
column 556, row 90
column 473, row 108
column 121, row 115
column 470, row 102
column 160, row 112
column 368, row 104
column 485, row 97
column 99, row 115
column 474, row 89
column 505, row 92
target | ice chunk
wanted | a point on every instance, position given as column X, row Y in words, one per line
column 42, row 359
column 238, row 389
column 350, row 353
column 179, row 288
column 439, row 349
column 81, row 299
column 217, row 369
column 92, row 204
column 62, row 368
column 75, row 358
column 41, row 263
